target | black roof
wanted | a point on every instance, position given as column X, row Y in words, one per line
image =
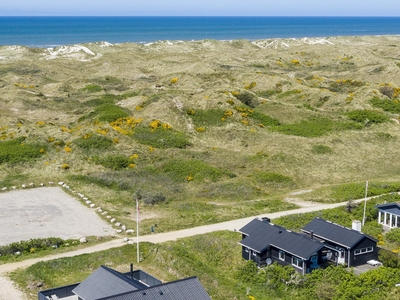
column 105, row 282
column 393, row 208
column 261, row 235
column 185, row 289
column 335, row 233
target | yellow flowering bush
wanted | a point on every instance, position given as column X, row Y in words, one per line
column 155, row 124
column 174, row 80
column 200, row 129
column 65, row 166
column 67, row 149
column 134, row 156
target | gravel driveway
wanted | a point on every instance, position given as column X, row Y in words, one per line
column 46, row 212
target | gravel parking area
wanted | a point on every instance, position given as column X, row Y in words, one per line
column 46, row 212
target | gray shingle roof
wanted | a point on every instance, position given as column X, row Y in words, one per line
column 335, row 233
column 261, row 235
column 185, row 289
column 105, row 282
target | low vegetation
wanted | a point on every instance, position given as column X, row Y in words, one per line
column 216, row 257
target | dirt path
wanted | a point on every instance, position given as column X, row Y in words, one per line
column 8, row 291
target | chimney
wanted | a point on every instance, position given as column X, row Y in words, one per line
column 311, row 234
column 356, row 225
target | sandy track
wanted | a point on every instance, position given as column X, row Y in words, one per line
column 8, row 291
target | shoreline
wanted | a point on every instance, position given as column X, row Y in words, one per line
column 175, row 42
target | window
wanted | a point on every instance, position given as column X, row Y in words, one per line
column 254, row 253
column 281, row 255
column 297, row 262
column 363, row 250
column 246, row 250
column 382, row 216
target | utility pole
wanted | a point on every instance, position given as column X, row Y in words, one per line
column 137, row 230
column 365, row 202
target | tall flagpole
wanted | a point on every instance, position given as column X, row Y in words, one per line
column 137, row 229
column 365, row 202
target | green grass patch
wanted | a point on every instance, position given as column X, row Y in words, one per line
column 92, row 88
column 351, row 191
column 321, row 149
column 315, row 127
column 289, row 93
column 229, row 190
column 93, row 142
column 367, row 116
column 209, row 117
column 187, row 170
column 161, row 138
column 17, row 150
column 113, row 162
column 263, row 119
column 268, row 93
column 274, row 179
column 388, row 105
column 110, row 112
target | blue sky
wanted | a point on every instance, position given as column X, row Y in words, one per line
column 200, row 8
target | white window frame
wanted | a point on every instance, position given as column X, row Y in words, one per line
column 365, row 250
column 246, row 250
column 254, row 253
column 297, row 262
column 282, row 255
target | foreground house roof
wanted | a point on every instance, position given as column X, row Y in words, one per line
column 335, row 233
column 185, row 289
column 261, row 235
column 105, row 282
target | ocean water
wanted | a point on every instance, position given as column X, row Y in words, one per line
column 56, row 31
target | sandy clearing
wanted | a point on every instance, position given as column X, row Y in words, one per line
column 46, row 212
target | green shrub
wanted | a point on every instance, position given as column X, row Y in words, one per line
column 367, row 116
column 92, row 88
column 388, row 105
column 32, row 245
column 114, row 162
column 393, row 236
column 247, row 99
column 321, row 149
column 209, row 117
column 186, row 170
column 161, row 138
column 94, row 142
column 17, row 150
column 389, row 259
column 110, row 112
column 150, row 199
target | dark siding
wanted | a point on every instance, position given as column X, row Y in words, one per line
column 361, row 259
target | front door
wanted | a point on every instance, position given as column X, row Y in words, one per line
column 341, row 257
